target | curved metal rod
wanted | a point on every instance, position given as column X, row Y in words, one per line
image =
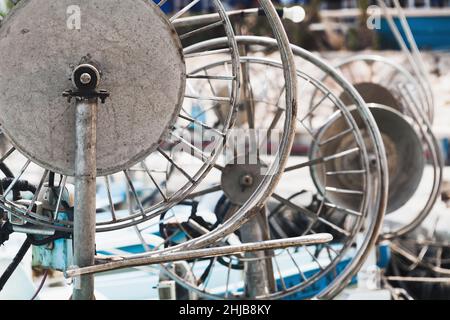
column 213, row 17
column 119, row 262
column 438, row 169
column 414, row 58
column 417, row 261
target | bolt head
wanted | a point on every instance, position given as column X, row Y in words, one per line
column 247, row 180
column 85, row 78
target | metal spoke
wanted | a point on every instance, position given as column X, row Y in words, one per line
column 311, row 110
column 196, row 280
column 302, row 275
column 205, row 98
column 38, row 190
column 161, row 3
column 111, row 204
column 344, row 191
column 283, row 90
column 144, row 165
column 315, row 259
column 289, row 203
column 196, row 152
column 205, row 283
column 184, row 10
column 203, row 125
column 331, row 249
column 216, row 105
column 201, row 29
column 345, row 172
column 322, row 160
column 62, row 186
column 133, row 191
column 330, row 257
column 207, row 53
column 249, row 99
column 335, row 137
column 309, row 214
column 213, row 91
column 276, row 119
column 228, row 278
column 309, row 130
column 206, row 77
column 334, row 227
column 349, row 211
column 283, row 284
column 168, row 158
column 7, row 154
column 212, row 189
column 13, row 183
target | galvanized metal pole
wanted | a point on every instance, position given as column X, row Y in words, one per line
column 85, row 195
column 255, row 270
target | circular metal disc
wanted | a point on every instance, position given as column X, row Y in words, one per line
column 138, row 53
column 241, row 179
column 373, row 93
column 404, row 153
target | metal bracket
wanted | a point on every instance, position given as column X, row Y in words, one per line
column 79, row 95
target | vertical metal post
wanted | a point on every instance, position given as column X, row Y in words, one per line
column 269, row 254
column 257, row 269
column 85, row 195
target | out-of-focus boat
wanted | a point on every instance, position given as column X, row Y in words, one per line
column 429, row 25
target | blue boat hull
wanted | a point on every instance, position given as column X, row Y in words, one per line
column 431, row 33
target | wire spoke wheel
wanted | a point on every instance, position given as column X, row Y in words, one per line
column 392, row 88
column 135, row 162
column 321, row 201
column 140, row 146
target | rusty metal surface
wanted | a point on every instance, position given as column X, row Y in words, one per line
column 143, row 68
